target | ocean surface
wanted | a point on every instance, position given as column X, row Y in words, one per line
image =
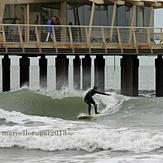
column 37, row 126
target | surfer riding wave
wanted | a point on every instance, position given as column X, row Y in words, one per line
column 89, row 100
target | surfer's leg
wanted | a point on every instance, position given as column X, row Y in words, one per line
column 89, row 105
column 89, row 109
column 95, row 106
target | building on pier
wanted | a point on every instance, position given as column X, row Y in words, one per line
column 77, row 55
column 78, row 12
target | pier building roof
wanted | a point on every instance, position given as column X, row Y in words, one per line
column 155, row 3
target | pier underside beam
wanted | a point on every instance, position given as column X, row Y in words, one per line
column 129, row 75
column 159, row 76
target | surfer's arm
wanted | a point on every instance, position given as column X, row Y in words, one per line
column 103, row 93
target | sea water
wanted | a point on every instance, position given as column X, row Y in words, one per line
column 40, row 126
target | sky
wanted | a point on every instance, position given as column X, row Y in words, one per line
column 158, row 19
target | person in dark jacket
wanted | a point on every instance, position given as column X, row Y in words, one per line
column 89, row 100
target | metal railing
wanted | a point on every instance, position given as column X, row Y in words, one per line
column 74, row 37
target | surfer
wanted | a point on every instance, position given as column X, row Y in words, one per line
column 89, row 100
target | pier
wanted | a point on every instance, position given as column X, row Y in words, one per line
column 77, row 56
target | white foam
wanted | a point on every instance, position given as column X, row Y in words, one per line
column 21, row 119
column 86, row 138
column 112, row 103
column 57, row 94
column 65, row 92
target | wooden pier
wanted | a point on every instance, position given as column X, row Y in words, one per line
column 79, row 39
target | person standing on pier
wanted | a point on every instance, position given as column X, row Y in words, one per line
column 50, row 22
column 89, row 100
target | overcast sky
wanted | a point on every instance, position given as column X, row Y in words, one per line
column 158, row 18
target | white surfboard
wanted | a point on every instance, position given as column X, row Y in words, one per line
column 87, row 116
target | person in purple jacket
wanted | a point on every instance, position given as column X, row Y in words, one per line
column 50, row 22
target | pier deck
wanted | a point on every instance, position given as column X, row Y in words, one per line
column 117, row 40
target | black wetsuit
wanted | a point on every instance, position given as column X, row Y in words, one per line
column 89, row 100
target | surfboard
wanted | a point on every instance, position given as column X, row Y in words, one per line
column 86, row 116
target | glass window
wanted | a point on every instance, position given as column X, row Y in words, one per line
column 123, row 16
column 140, row 17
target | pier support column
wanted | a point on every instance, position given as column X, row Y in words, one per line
column 81, row 71
column 92, row 70
column 159, row 76
column 43, row 71
column 77, row 73
column 1, row 79
column 24, row 71
column 6, row 73
column 34, row 77
column 15, row 72
column 2, row 9
column 86, row 72
column 71, row 72
column 99, row 72
column 64, row 13
column 106, row 76
column 61, row 71
column 51, row 73
column 129, row 75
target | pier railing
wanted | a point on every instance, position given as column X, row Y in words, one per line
column 103, row 38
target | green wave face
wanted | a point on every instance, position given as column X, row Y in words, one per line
column 29, row 102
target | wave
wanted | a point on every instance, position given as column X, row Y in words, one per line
column 59, row 104
column 35, row 103
column 53, row 134
column 68, row 105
